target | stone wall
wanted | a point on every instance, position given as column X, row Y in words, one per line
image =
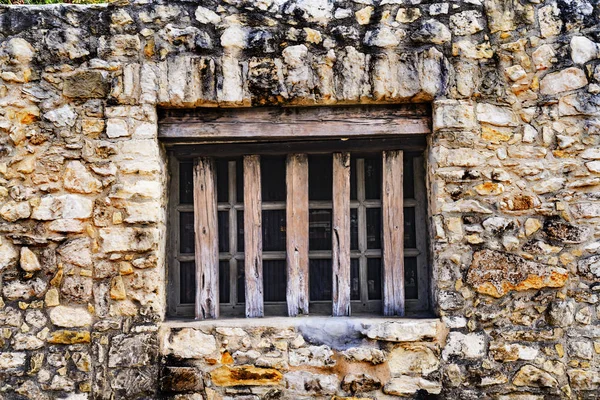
column 513, row 176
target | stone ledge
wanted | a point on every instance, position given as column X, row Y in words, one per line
column 328, row 329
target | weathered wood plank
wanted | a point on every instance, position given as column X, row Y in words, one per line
column 393, row 233
column 210, row 147
column 297, row 234
column 348, row 128
column 341, row 235
column 285, row 114
column 294, row 122
column 206, row 239
column 253, row 264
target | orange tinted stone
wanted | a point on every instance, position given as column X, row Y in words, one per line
column 69, row 337
column 245, row 375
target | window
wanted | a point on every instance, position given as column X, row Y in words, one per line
column 288, row 228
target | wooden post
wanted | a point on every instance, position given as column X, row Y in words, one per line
column 253, row 237
column 206, row 239
column 341, row 235
column 297, row 234
column 393, row 233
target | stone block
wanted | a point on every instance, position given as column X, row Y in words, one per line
column 410, row 359
column 408, row 385
column 190, row 343
column 496, row 273
column 403, row 331
column 132, row 351
column 69, row 337
column 70, row 317
column 245, row 375
column 314, row 356
column 181, row 379
column 468, row 346
column 128, row 239
column 86, row 85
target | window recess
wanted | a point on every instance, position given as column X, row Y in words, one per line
column 328, row 226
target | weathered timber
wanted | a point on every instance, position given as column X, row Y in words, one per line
column 297, row 234
column 295, row 122
column 253, row 237
column 393, row 233
column 206, row 239
column 341, row 235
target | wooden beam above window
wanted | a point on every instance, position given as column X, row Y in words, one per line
column 282, row 123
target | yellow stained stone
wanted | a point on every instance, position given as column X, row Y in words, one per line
column 245, row 375
column 69, row 337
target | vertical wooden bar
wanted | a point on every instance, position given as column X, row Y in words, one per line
column 393, row 234
column 253, row 237
column 297, row 234
column 233, row 229
column 206, row 239
column 341, row 235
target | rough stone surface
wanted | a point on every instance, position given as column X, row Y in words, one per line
column 512, row 171
column 495, row 273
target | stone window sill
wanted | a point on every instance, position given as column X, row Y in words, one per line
column 323, row 327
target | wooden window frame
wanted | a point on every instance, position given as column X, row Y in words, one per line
column 392, row 302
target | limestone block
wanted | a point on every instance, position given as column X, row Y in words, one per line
column 27, row 342
column 453, row 114
column 432, row 31
column 529, row 375
column 77, row 251
column 407, row 385
column 69, row 337
column 513, row 352
column 70, row 317
column 182, row 379
column 366, row 354
column 496, row 273
column 358, row 383
column 583, row 49
column 78, row 179
column 13, row 211
column 128, row 239
column 190, row 343
column 307, row 383
column 206, row 16
column 131, row 351
column 413, row 359
column 568, row 79
column 460, row 345
column 403, row 331
column 586, row 210
column 86, row 85
column 466, row 23
column 245, row 375
column 29, row 261
column 116, row 128
column 62, row 117
column 18, row 290
column 315, row 356
column 583, row 379
column 12, row 360
column 496, row 115
column 549, row 20
column 8, row 254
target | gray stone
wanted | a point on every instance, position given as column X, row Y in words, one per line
column 86, row 85
column 135, row 351
column 432, row 31
column 561, row 313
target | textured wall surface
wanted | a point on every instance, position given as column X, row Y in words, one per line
column 513, row 175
